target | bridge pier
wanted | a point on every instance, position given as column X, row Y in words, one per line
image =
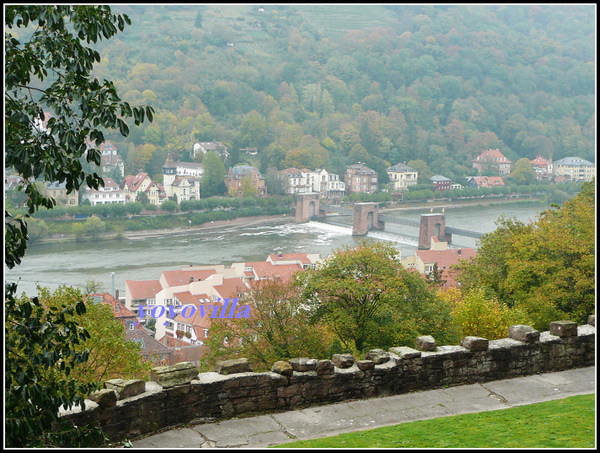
column 307, row 206
column 366, row 217
column 432, row 225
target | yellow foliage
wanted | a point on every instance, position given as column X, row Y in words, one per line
column 474, row 315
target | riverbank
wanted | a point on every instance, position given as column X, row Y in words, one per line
column 242, row 222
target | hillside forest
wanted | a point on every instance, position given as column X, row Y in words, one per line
column 324, row 86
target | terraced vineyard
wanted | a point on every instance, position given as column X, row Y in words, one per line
column 334, row 21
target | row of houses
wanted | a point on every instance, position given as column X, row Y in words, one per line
column 204, row 286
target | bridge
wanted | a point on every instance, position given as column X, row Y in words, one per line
column 366, row 217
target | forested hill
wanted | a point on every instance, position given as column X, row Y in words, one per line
column 329, row 85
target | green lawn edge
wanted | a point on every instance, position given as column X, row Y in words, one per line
column 563, row 423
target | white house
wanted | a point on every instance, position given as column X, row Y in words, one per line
column 110, row 193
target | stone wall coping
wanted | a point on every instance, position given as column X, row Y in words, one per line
column 586, row 330
column 547, row 337
column 506, row 343
column 151, row 389
column 212, row 396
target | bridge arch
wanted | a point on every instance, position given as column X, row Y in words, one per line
column 432, row 225
column 366, row 217
column 307, row 206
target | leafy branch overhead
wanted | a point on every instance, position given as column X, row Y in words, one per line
column 53, row 106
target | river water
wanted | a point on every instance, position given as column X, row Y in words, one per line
column 74, row 263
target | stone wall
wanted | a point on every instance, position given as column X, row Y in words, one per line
column 179, row 395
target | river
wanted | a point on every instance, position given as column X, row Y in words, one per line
column 74, row 263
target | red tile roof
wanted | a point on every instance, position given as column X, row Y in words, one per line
column 303, row 257
column 120, row 311
column 445, row 258
column 182, row 277
column 265, row 269
column 144, row 289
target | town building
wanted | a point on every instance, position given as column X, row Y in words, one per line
column 402, row 177
column 59, row 192
column 134, row 185
column 424, row 261
column 492, row 161
column 479, row 182
column 361, row 179
column 181, row 180
column 295, row 181
column 200, row 149
column 236, row 176
column 575, row 169
column 328, row 185
column 543, row 168
column 110, row 193
column 206, row 286
column 441, row 183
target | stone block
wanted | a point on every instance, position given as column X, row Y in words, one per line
column 377, row 356
column 592, row 320
column 426, row 343
column 233, row 366
column 523, row 333
column 563, row 328
column 325, row 367
column 104, row 398
column 343, row 360
column 475, row 343
column 282, row 367
column 126, row 388
column 172, row 375
column 303, row 364
column 364, row 365
column 404, row 352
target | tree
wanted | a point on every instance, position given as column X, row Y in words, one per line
column 52, row 107
column 278, row 328
column 546, row 268
column 369, row 300
column 73, row 106
column 213, row 178
column 41, row 349
column 522, row 172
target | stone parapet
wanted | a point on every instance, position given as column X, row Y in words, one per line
column 212, row 396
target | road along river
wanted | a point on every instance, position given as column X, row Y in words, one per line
column 144, row 258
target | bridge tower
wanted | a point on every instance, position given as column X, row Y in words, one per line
column 366, row 217
column 432, row 225
column 307, row 206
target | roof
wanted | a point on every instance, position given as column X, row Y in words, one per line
column 146, row 338
column 445, row 258
column 134, row 182
column 488, row 181
column 182, row 277
column 439, row 178
column 540, row 161
column 492, row 154
column 244, row 171
column 362, row 168
column 144, row 289
column 119, row 310
column 400, row 168
column 302, row 257
column 231, row 287
column 573, row 162
column 264, row 270
column 111, row 159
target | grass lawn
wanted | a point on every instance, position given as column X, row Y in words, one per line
column 565, row 423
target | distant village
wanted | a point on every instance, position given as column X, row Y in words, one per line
column 181, row 180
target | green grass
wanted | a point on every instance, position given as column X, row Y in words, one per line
column 565, row 423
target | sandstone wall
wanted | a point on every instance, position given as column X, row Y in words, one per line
column 179, row 395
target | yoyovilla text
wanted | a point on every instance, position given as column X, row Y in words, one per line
column 227, row 310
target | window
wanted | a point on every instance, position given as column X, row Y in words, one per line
column 205, row 333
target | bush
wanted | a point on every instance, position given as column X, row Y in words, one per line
column 169, row 206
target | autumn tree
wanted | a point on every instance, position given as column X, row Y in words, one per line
column 53, row 106
column 279, row 328
column 546, row 267
column 368, row 299
column 522, row 172
column 213, row 179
